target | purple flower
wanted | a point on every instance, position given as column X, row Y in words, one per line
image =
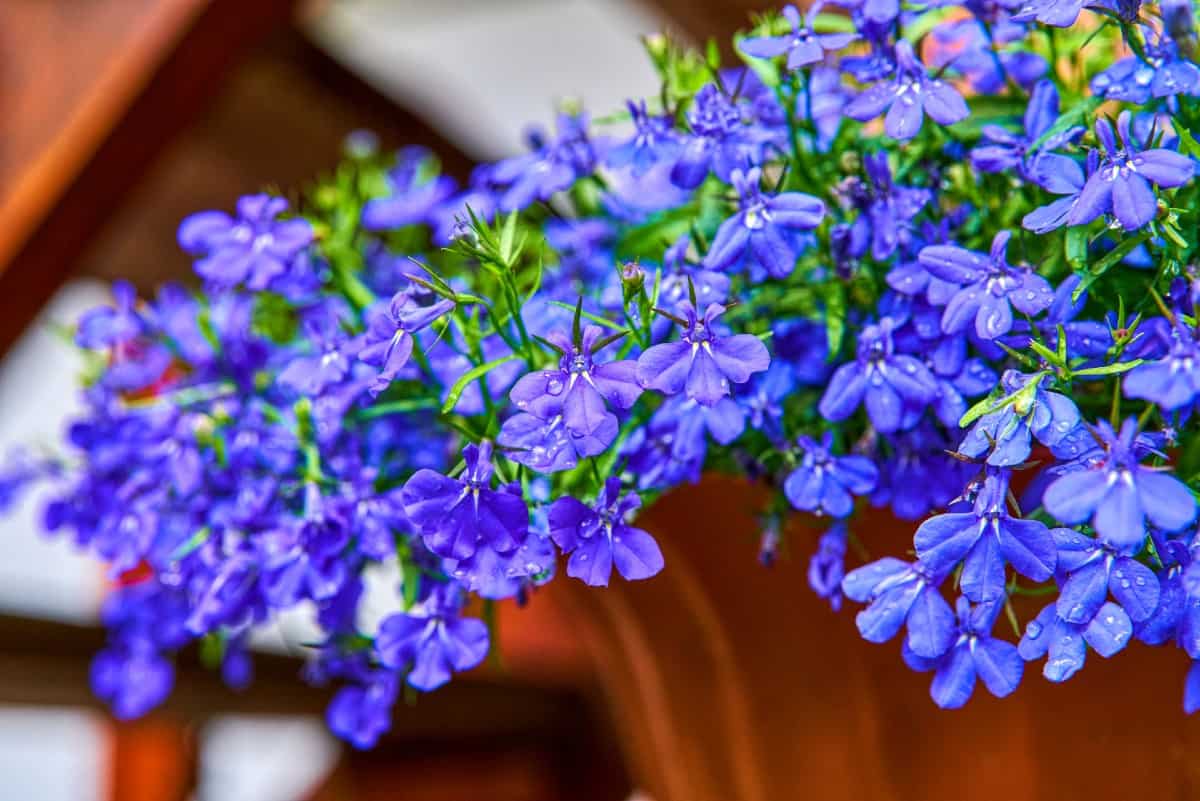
column 253, row 249
column 899, row 593
column 802, row 45
column 430, row 644
column 671, row 447
column 1027, row 411
column 1092, row 570
column 1058, row 13
column 763, row 398
column 1173, row 381
column 361, row 713
column 497, row 576
column 761, row 228
column 703, row 362
column 1007, row 151
column 411, row 196
column 827, row 567
column 919, row 475
column 1065, row 644
column 893, row 386
column 110, row 326
column 388, row 343
column 974, row 654
column 131, row 679
column 1058, row 175
column 551, row 167
column 824, row 483
column 720, row 141
column 580, row 388
column 983, row 540
column 1118, row 494
column 1163, row 73
column 455, row 517
column 311, row 375
column 654, row 142
column 1122, row 184
column 885, row 209
column 601, row 537
column 908, row 97
column 989, row 287
column 545, row 445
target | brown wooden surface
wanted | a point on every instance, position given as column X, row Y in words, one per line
column 733, row 681
column 134, row 73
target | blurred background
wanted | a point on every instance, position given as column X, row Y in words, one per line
column 118, row 118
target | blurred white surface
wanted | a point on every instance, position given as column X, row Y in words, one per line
column 246, row 758
column 42, row 577
column 480, row 71
column 51, row 755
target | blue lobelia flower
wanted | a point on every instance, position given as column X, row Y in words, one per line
column 109, row 326
column 601, row 537
column 456, row 517
column 361, row 713
column 761, row 229
column 552, row 166
column 823, row 483
column 1003, row 150
column 131, row 679
column 908, row 97
column 703, row 363
column 496, row 576
column 654, row 142
column 1163, row 72
column 873, row 13
column 989, row 287
column 1058, row 13
column 1058, row 175
column 893, row 386
column 976, row 654
column 1173, row 381
column 721, row 140
column 1089, row 339
column 984, row 539
column 919, row 474
column 803, row 46
column 580, row 388
column 253, row 249
column 388, row 343
column 1118, row 494
column 312, row 374
column 899, row 593
column 547, row 446
column 412, row 194
column 827, row 567
column 763, row 398
column 1005, row 435
column 671, row 447
column 885, row 209
column 1090, row 570
column 1065, row 644
column 431, row 641
column 1122, row 183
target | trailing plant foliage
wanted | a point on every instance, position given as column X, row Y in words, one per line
column 937, row 258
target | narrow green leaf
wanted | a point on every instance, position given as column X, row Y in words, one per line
column 1075, row 115
column 473, row 374
column 1109, row 369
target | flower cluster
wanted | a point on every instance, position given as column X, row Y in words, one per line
column 913, row 258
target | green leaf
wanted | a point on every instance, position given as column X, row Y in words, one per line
column 835, row 317
column 473, row 374
column 1109, row 369
column 589, row 316
column 1076, row 115
column 1123, row 249
column 1077, row 247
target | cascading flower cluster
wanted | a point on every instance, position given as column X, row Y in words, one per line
column 940, row 258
